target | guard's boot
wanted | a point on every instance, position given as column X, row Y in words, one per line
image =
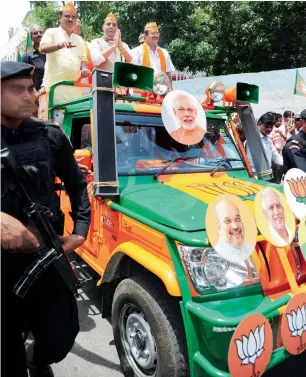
column 37, row 370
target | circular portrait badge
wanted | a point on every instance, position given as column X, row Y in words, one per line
column 251, row 347
column 274, row 218
column 302, row 236
column 295, row 191
column 293, row 327
column 184, row 117
column 231, row 228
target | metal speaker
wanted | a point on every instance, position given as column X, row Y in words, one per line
column 133, row 76
column 247, row 92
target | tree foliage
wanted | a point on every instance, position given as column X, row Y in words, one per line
column 215, row 37
column 43, row 13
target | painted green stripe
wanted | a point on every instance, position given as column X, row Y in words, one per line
column 124, row 107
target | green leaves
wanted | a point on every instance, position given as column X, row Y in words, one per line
column 215, row 37
column 43, row 13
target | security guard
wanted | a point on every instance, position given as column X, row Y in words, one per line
column 294, row 152
column 49, row 309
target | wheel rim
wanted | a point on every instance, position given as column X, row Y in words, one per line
column 138, row 341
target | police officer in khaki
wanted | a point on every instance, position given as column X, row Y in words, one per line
column 294, row 152
column 49, row 309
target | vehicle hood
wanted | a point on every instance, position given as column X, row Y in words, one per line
column 180, row 201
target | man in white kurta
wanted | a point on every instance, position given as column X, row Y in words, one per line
column 66, row 57
column 151, row 55
column 231, row 244
column 109, row 49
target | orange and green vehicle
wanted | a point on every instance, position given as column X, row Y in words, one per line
column 175, row 304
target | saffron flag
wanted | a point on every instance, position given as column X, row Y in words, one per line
column 26, row 45
column 19, row 57
column 29, row 43
column 300, row 85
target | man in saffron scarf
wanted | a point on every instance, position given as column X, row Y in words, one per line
column 109, row 49
column 151, row 55
column 66, row 56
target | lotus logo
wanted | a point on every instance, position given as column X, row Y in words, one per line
column 298, row 189
column 250, row 348
column 297, row 325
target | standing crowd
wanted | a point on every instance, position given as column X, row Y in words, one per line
column 284, row 141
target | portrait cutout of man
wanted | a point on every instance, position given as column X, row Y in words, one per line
column 185, row 111
column 231, row 244
column 275, row 214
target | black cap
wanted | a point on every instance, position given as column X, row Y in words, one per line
column 14, row 70
column 303, row 114
column 298, row 116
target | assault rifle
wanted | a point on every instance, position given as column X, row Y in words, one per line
column 50, row 250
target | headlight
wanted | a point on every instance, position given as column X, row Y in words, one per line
column 161, row 84
column 216, row 91
column 210, row 272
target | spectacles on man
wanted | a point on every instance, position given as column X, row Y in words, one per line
column 154, row 33
column 113, row 24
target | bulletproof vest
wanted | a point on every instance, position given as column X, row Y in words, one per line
column 31, row 149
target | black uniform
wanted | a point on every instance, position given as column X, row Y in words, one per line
column 37, row 59
column 49, row 309
column 294, row 152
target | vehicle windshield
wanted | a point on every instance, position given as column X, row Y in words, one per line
column 144, row 147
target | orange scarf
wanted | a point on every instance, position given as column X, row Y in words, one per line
column 146, row 57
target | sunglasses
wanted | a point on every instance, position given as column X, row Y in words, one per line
column 268, row 125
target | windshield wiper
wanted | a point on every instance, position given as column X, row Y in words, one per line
column 176, row 159
column 224, row 163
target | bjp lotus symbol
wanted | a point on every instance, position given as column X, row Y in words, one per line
column 297, row 324
column 298, row 189
column 250, row 348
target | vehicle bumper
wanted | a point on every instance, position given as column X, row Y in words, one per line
column 215, row 323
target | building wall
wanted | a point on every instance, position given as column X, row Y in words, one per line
column 9, row 50
column 275, row 89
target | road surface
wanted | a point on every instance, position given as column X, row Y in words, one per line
column 94, row 353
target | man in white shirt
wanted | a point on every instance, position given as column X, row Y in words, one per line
column 66, row 56
column 109, row 49
column 151, row 55
column 231, row 245
column 265, row 124
column 275, row 214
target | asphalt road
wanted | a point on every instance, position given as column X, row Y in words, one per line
column 94, row 353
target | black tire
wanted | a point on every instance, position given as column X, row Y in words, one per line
column 162, row 313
